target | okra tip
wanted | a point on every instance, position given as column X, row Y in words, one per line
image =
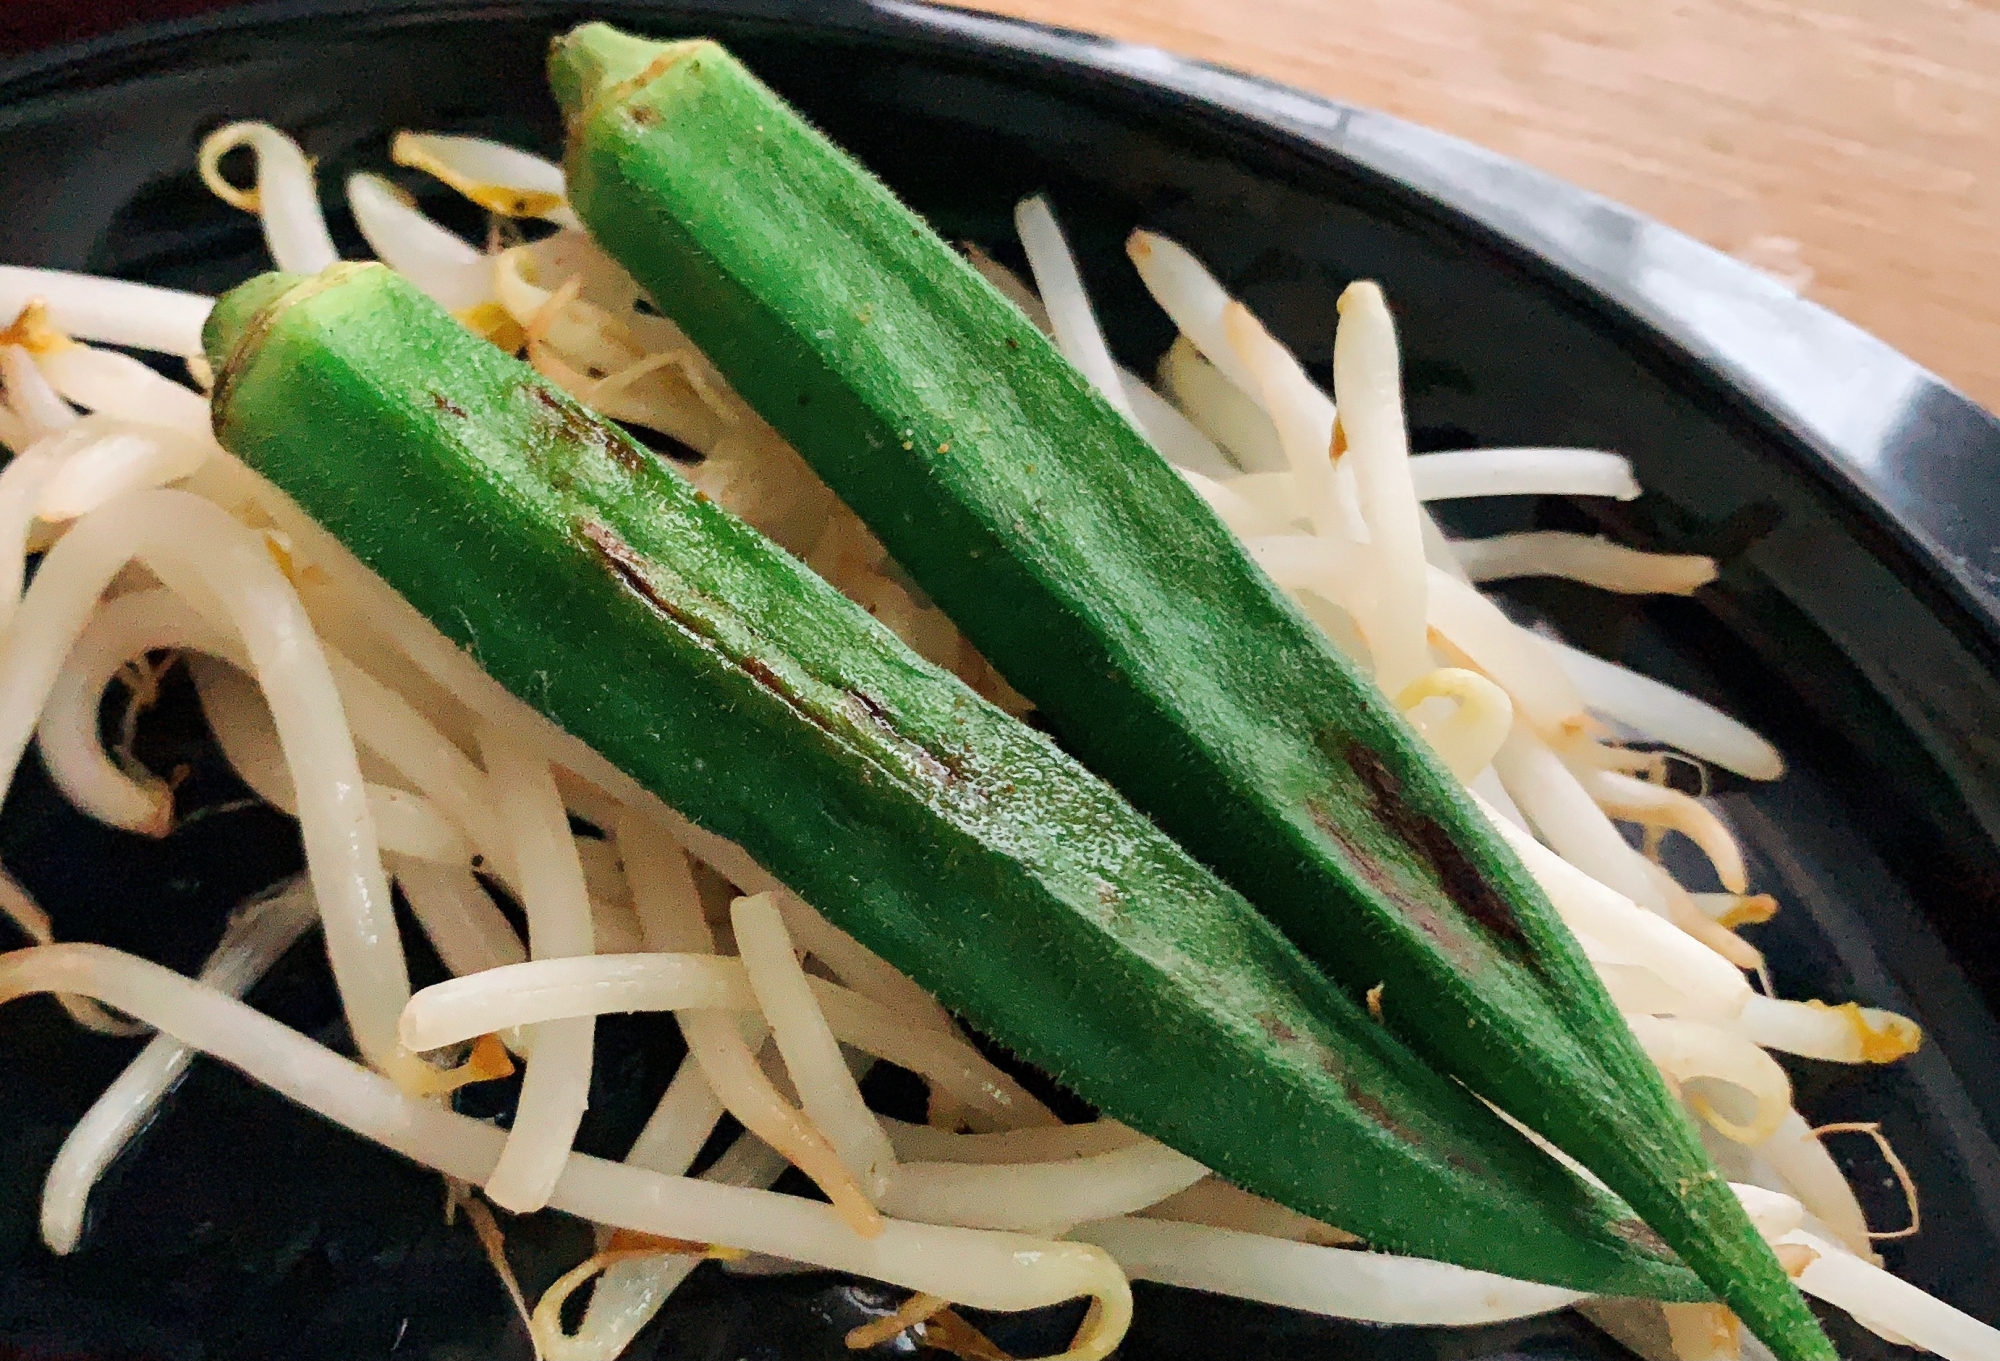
column 595, row 59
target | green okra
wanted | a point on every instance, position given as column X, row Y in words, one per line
column 1103, row 588
column 720, row 673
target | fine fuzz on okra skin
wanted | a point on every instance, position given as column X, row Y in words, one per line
column 1104, row 589
column 724, row 676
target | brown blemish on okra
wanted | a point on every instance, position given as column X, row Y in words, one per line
column 942, row 771
column 628, row 566
column 869, row 705
column 761, row 672
column 1460, row 878
column 1276, row 1028
column 1373, row 1107
column 574, row 426
column 1413, row 906
column 1359, row 1097
column 1639, row 1234
column 599, row 78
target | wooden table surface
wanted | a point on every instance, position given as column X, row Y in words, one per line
column 1849, row 146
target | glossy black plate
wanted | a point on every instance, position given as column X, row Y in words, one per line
column 1854, row 500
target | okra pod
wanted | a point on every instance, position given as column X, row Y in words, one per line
column 1103, row 588
column 601, row 588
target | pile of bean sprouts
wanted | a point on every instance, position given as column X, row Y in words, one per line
column 404, row 762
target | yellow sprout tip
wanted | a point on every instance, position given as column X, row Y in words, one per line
column 1883, row 1036
column 1754, row 910
column 34, row 332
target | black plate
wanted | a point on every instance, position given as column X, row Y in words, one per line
column 1851, row 495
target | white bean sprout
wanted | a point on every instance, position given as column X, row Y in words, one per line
column 337, row 701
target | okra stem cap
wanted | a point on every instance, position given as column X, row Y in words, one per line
column 594, row 58
column 238, row 308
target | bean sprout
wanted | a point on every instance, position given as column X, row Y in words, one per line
column 109, row 311
column 1594, row 562
column 458, row 276
column 259, row 935
column 1343, row 1282
column 1522, row 472
column 282, row 195
column 1068, row 306
column 557, row 1085
column 334, row 698
column 983, row 1269
column 499, row 178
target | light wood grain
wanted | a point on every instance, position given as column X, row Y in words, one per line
column 1850, row 145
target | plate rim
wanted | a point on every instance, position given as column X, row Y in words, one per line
column 1834, row 395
